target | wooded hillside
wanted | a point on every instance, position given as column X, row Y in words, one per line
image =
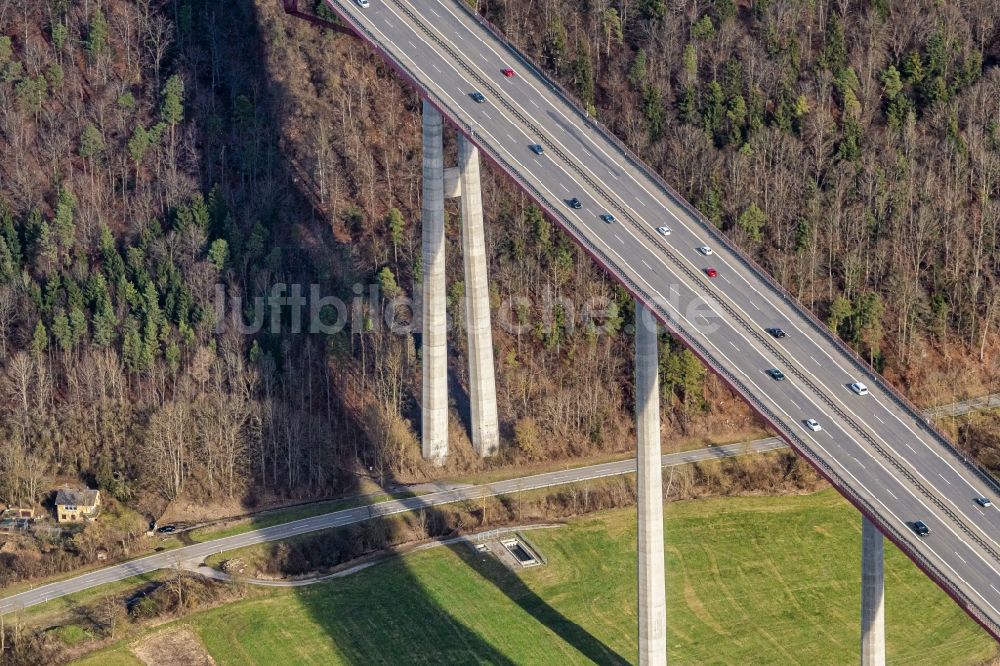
column 152, row 150
column 851, row 147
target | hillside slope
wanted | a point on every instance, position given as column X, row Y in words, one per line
column 161, row 158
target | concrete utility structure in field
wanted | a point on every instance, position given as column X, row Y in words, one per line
column 873, row 446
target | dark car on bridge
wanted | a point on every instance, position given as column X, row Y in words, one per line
column 537, row 149
column 608, row 217
column 920, row 528
column 478, row 97
column 776, row 332
column 775, row 374
column 574, row 203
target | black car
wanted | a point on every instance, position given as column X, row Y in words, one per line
column 608, row 217
column 575, row 203
column 775, row 374
column 478, row 96
column 920, row 528
column 537, row 149
column 776, row 332
column 167, row 529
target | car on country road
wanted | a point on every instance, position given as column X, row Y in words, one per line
column 711, row 272
column 167, row 529
column 920, row 528
column 608, row 217
column 706, row 250
column 478, row 97
column 574, row 203
column 776, row 332
column 775, row 374
column 813, row 425
column 537, row 149
column 664, row 231
column 984, row 502
column 859, row 388
column 508, row 72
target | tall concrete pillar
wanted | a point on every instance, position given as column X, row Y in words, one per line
column 872, row 596
column 434, row 340
column 652, row 594
column 482, row 378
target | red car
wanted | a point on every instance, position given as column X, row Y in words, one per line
column 508, row 72
column 711, row 272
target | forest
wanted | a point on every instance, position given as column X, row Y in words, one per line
column 153, row 150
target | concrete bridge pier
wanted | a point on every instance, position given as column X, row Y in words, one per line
column 439, row 183
column 652, row 592
column 434, row 331
column 482, row 377
column 872, row 595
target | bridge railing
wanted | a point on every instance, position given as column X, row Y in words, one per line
column 687, row 338
column 759, row 272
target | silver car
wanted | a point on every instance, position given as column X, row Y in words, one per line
column 813, row 425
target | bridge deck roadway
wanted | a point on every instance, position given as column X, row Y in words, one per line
column 876, row 449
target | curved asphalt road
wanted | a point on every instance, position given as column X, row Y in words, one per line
column 150, row 563
column 876, row 449
column 174, row 558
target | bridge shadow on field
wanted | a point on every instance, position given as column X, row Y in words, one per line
column 249, row 60
column 456, row 607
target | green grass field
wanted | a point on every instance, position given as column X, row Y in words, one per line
column 750, row 581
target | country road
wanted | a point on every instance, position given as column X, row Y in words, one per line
column 173, row 558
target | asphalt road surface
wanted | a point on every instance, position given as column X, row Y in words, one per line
column 175, row 557
column 876, row 449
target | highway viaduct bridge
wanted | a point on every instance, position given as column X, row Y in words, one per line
column 876, row 449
